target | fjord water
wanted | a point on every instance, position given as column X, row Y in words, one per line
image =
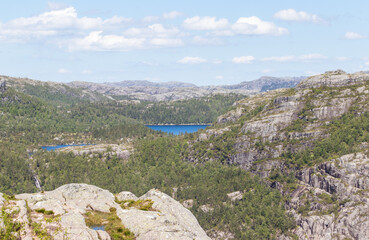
column 177, row 129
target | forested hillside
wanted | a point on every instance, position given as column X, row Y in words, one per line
column 271, row 167
column 157, row 162
column 197, row 110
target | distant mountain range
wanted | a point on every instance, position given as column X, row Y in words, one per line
column 261, row 84
column 265, row 83
column 146, row 90
column 145, row 83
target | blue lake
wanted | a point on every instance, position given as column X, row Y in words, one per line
column 98, row 228
column 177, row 129
column 52, row 148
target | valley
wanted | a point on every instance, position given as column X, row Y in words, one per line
column 286, row 163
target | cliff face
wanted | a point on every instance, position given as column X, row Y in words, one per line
column 332, row 200
column 293, row 132
column 64, row 213
column 292, row 120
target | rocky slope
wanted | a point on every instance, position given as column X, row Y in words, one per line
column 141, row 90
column 266, row 83
column 311, row 143
column 335, row 197
column 63, row 213
column 149, row 91
column 154, row 93
column 52, row 91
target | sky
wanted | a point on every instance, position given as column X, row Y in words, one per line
column 201, row 42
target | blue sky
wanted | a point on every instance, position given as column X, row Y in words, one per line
column 202, row 42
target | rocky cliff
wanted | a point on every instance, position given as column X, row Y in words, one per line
column 81, row 211
column 311, row 143
column 332, row 200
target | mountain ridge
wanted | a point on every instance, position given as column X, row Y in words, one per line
column 149, row 91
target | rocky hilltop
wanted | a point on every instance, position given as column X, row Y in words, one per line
column 310, row 143
column 52, row 91
column 141, row 89
column 266, row 83
column 72, row 212
column 149, row 91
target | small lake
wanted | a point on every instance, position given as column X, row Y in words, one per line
column 177, row 129
column 98, row 228
column 53, row 148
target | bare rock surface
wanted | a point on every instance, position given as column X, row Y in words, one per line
column 336, row 78
column 331, row 199
column 122, row 151
column 125, row 195
column 338, row 196
column 69, row 203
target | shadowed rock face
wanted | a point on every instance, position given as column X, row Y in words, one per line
column 70, row 202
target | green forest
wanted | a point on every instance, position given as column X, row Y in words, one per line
column 180, row 165
column 29, row 122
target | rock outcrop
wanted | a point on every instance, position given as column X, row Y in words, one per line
column 336, row 78
column 332, row 201
column 329, row 200
column 292, row 119
column 61, row 214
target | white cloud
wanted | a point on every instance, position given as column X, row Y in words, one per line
column 168, row 42
column 207, row 41
column 367, row 63
column 280, row 58
column 243, row 59
column 255, row 26
column 60, row 19
column 172, row 14
column 96, row 41
column 301, row 16
column 192, row 60
column 168, row 15
column 312, row 57
column 63, row 70
column 54, row 22
column 154, row 30
column 63, row 27
column 56, row 5
column 353, row 35
column 219, row 77
column 205, row 23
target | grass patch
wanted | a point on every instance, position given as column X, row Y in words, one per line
column 111, row 222
column 40, row 232
column 11, row 228
column 43, row 211
column 9, row 197
column 145, row 205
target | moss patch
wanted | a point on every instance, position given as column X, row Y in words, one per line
column 111, row 222
column 145, row 205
